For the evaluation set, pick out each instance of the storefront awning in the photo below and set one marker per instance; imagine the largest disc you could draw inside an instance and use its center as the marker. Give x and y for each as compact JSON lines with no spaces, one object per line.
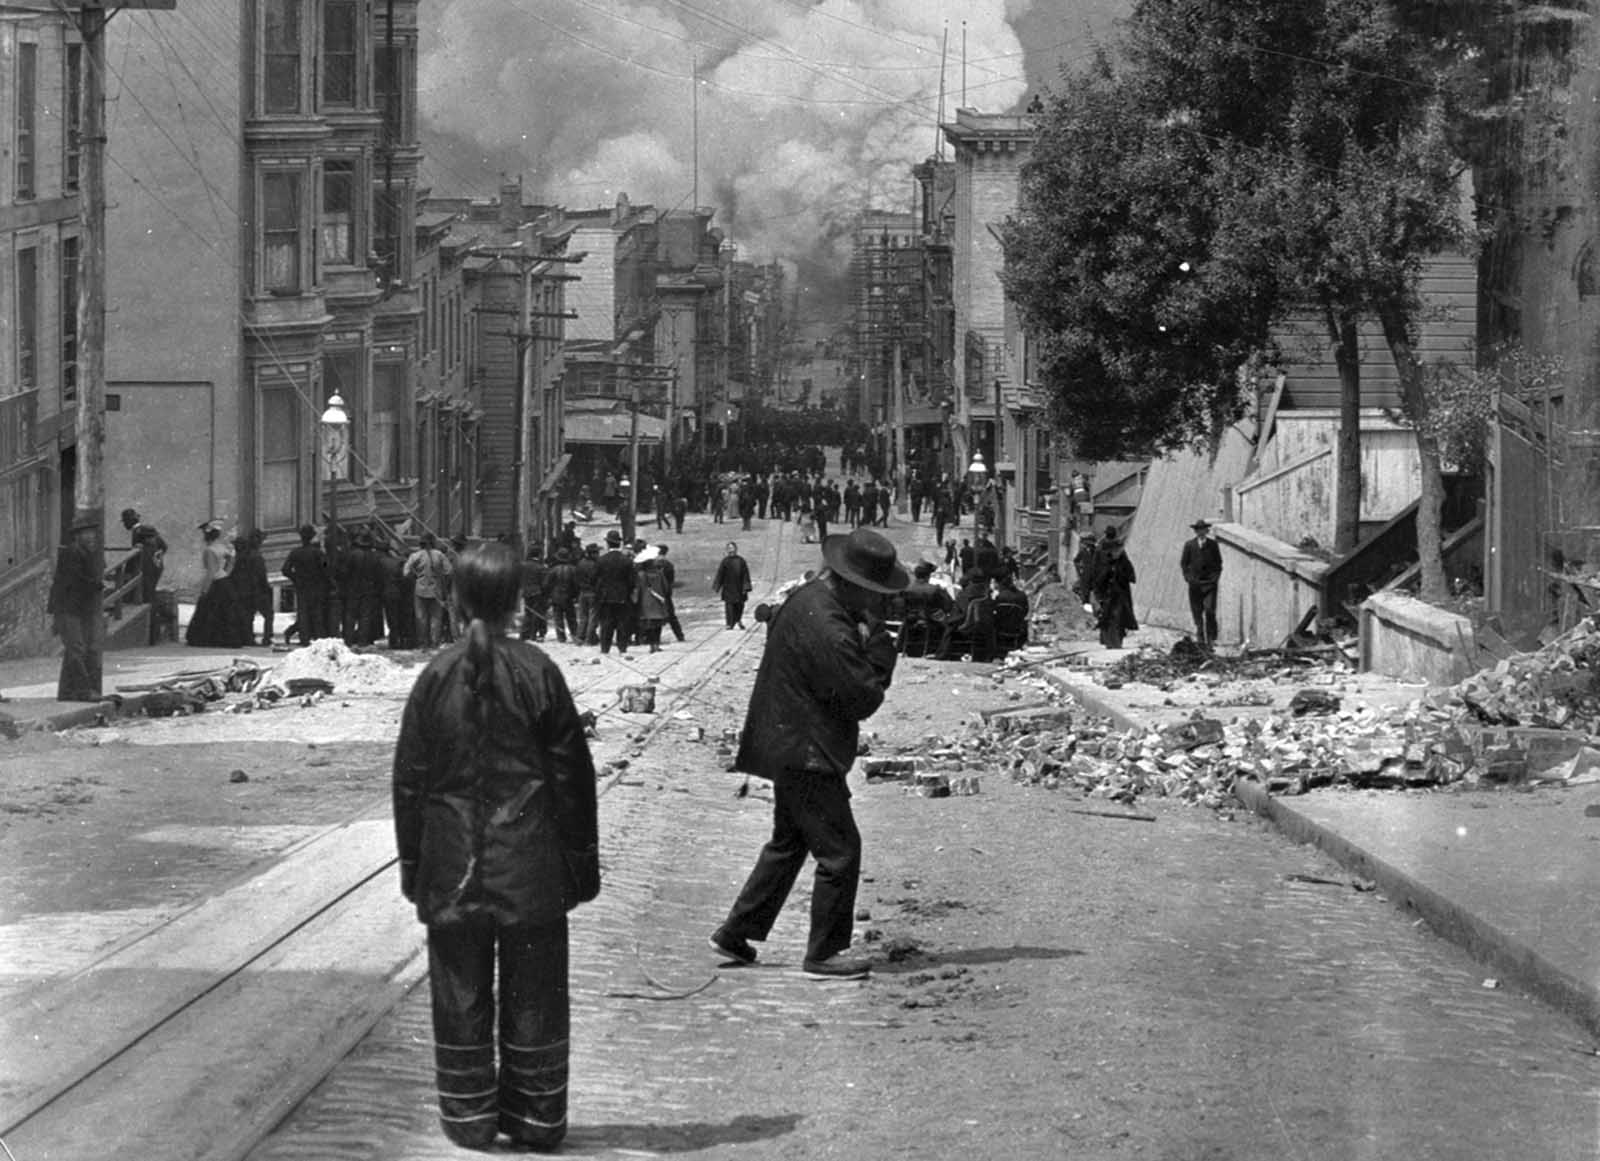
{"x":553,"y":476}
{"x":610,"y":428}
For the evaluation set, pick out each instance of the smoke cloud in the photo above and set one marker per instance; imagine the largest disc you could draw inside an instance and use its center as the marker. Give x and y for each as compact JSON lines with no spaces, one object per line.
{"x":809,"y":112}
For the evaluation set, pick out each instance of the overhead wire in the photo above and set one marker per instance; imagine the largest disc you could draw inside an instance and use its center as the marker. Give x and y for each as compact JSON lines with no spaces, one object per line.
{"x":274,"y":356}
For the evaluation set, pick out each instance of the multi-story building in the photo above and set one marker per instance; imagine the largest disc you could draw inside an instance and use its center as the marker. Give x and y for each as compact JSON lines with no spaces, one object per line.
{"x":691,"y":333}
{"x":261,"y":244}
{"x":514,"y":262}
{"x":447,"y":418}
{"x":989,"y":152}
{"x":40,"y":213}
{"x":610,"y":348}
{"x":996,"y":410}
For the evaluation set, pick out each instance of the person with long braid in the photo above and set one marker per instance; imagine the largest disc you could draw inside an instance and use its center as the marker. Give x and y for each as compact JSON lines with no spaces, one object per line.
{"x":496,"y":823}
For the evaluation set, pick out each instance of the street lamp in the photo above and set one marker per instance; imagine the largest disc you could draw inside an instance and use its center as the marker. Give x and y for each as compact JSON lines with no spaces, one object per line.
{"x":977,"y":473}
{"x":335,"y":431}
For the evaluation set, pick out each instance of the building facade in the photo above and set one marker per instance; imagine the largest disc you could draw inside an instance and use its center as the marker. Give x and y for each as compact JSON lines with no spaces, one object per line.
{"x":41,"y":84}
{"x":262,"y":192}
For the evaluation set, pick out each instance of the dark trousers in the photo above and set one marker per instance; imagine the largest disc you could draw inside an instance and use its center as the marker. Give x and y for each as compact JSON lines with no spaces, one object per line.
{"x":564,"y":619}
{"x":938,"y":528}
{"x":535,"y":619}
{"x":616,"y":624}
{"x":733,"y":611}
{"x":363,"y":618}
{"x":525,"y":1096}
{"x":310,"y":614}
{"x":916,"y":509}
{"x":77,"y":682}
{"x":588,"y":619}
{"x":1203,"y":609}
{"x":810,"y":816}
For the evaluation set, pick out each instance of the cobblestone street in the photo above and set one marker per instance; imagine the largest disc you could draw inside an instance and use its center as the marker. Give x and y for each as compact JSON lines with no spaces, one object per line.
{"x":1080,"y":986}
{"x":1047,"y":983}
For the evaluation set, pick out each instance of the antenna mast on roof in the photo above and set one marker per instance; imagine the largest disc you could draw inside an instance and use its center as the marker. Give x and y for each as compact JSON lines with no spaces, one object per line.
{"x":694,"y":81}
{"x":963,"y":64}
{"x":938,"y":131}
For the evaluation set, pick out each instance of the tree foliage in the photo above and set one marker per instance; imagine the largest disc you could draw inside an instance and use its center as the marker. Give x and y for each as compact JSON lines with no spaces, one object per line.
{"x":1295,"y":152}
{"x":1111,"y":258}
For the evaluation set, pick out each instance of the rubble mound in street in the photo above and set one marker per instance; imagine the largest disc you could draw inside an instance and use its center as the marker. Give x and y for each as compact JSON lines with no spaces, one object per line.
{"x":347,"y":671}
{"x":1187,"y":660}
{"x":1556,"y":686}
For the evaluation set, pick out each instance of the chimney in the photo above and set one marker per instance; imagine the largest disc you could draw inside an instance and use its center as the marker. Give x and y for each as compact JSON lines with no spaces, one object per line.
{"x":510,"y":205}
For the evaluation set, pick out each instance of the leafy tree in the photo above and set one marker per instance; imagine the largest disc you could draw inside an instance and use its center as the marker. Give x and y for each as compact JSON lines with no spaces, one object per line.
{"x":1142,"y":324}
{"x":1316,"y":174}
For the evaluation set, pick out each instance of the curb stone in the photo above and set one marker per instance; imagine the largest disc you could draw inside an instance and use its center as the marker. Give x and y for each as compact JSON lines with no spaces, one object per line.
{"x":1503,"y":953}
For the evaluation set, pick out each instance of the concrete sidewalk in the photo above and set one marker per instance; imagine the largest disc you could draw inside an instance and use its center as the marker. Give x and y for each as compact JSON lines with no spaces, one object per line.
{"x":28,"y":685}
{"x":1506,"y":873}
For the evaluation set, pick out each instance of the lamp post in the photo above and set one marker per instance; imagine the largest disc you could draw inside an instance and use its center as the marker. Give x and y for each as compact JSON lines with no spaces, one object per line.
{"x":335,"y":431}
{"x":977,"y":478}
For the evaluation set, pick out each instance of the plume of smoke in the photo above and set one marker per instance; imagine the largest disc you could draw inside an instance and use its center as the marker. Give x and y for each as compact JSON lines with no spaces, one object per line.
{"x":809,"y":112}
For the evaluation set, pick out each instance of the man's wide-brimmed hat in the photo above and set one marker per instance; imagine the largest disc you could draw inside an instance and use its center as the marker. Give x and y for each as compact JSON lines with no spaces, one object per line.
{"x":1109,"y":534}
{"x":613,"y":537}
{"x":865,"y":558}
{"x":1201,"y":524}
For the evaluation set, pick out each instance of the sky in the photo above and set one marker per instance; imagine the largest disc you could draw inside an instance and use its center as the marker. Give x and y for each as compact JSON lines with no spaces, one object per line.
{"x":788,"y":117}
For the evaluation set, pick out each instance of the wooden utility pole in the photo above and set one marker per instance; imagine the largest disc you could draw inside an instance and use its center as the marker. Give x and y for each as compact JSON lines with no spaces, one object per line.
{"x":89,"y":427}
{"x":898,"y":411}
{"x":89,"y":493}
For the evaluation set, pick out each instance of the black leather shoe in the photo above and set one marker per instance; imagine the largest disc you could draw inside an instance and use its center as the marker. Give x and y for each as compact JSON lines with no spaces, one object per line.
{"x":837,"y":967}
{"x":732,"y":946}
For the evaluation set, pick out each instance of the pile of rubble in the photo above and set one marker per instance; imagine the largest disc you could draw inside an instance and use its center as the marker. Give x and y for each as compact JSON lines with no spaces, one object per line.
{"x":344,"y":669}
{"x":1556,"y":686}
{"x":1186,"y":660}
{"x":1532,"y":718}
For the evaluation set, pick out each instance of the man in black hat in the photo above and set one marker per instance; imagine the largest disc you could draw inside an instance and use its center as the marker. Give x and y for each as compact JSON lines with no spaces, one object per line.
{"x":732,"y":584}
{"x":1202,"y":571}
{"x":828,"y":663}
{"x":614,"y":594}
{"x":74,"y":606}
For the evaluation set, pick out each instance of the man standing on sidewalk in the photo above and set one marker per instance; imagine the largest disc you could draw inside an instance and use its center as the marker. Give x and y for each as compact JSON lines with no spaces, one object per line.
{"x":1202,"y":572}
{"x":74,"y":605}
{"x":828,"y":663}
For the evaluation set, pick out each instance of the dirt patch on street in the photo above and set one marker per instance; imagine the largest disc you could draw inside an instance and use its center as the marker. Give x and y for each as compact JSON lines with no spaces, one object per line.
{"x":92,"y":826}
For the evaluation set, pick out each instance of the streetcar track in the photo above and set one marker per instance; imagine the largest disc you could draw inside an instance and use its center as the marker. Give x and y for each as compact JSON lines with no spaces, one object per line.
{"x":54,"y":1099}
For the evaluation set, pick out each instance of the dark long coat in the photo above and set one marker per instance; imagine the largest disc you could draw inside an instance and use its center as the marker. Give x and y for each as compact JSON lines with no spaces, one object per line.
{"x":817,"y":682}
{"x":500,"y":820}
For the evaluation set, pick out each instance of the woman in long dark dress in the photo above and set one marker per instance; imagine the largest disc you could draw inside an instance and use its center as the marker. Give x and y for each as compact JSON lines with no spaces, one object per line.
{"x":1114,"y":578}
{"x":495,"y":818}
{"x":214,"y":621}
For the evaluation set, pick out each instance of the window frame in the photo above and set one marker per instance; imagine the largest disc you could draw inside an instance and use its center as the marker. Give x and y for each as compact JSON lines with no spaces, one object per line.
{"x":295,"y":390}
{"x":69,"y":278}
{"x":265,"y":231}
{"x":354,"y":54}
{"x":72,"y":118}
{"x":25,"y":123}
{"x":25,"y":315}
{"x":271,"y":94}
{"x":398,"y":439}
{"x":350,"y":167}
